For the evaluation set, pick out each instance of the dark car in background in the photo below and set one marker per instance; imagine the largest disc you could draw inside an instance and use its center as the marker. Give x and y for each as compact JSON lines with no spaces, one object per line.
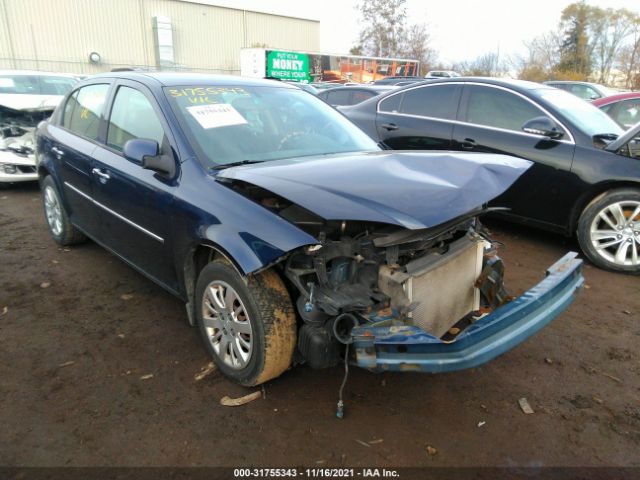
{"x":352,"y":95}
{"x":284,"y":228}
{"x":398,"y":80}
{"x":585,"y":90}
{"x":624,"y":108}
{"x":574,"y":186}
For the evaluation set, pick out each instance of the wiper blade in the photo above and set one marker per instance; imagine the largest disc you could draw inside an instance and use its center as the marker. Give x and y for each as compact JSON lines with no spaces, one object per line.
{"x":222,"y":166}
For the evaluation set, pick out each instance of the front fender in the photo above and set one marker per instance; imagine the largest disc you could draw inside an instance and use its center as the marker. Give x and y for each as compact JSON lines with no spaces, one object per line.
{"x":210,"y":214}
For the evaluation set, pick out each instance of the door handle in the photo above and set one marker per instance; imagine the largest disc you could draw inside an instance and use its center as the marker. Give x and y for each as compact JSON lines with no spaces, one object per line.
{"x":468,"y":144}
{"x":104,"y":176}
{"x":389,"y":126}
{"x":57,"y":152}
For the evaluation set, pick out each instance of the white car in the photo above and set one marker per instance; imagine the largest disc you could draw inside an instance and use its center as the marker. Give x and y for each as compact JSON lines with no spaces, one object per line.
{"x":442,"y":74}
{"x":26,"y":98}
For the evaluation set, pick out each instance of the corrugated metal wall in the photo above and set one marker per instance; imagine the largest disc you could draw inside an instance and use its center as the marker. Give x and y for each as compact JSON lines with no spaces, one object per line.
{"x":59,"y":35}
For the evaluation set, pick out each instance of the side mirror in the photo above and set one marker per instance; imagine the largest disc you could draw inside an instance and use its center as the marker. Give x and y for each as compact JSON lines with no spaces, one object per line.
{"x":542,"y":126}
{"x":146,"y":153}
{"x":137,"y":149}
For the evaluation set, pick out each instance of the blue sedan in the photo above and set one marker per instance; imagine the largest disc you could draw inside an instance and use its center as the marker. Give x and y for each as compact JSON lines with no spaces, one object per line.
{"x":285,"y":230}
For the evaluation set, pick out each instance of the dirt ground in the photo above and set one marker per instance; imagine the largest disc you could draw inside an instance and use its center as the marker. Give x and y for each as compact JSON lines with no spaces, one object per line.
{"x":74,"y":349}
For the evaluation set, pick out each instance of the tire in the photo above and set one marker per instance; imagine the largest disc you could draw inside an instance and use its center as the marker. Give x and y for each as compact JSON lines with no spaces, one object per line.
{"x":60,"y":227}
{"x":609,"y":231}
{"x":247,"y":354}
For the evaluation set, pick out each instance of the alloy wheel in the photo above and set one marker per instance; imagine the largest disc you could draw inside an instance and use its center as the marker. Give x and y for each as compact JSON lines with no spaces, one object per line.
{"x":615,"y":233}
{"x":227,"y":324}
{"x":53,"y":210}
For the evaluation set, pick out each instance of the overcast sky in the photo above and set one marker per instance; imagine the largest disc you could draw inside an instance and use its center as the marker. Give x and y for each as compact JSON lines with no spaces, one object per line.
{"x":460,"y":29}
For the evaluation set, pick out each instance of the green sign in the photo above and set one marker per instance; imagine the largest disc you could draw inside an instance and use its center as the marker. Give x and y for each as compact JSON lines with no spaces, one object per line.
{"x":288,"y":66}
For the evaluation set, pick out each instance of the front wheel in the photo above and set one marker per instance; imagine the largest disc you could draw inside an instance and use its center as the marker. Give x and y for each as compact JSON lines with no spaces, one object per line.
{"x":249,"y":328}
{"x":609,"y":231}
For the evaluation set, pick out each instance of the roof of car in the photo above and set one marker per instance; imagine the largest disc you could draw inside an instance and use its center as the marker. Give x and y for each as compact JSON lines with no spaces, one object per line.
{"x":550,"y":82}
{"x":364,"y":86}
{"x":175,"y":79}
{"x":505,"y":82}
{"x":614,"y":98}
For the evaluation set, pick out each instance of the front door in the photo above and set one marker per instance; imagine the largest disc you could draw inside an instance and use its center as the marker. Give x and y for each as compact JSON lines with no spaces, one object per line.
{"x":135,"y":203}
{"x":490,"y":121}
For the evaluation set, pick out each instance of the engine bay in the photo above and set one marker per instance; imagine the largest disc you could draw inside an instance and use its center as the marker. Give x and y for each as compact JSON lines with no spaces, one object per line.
{"x":440,"y":279}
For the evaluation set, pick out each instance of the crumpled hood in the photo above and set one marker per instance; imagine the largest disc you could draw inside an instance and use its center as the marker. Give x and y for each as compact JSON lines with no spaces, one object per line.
{"x":412,"y":189}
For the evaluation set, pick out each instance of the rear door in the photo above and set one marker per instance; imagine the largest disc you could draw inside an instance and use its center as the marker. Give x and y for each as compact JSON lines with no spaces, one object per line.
{"x":491,"y":120}
{"x":135,"y":203}
{"x":72,"y":143}
{"x":419,"y":118}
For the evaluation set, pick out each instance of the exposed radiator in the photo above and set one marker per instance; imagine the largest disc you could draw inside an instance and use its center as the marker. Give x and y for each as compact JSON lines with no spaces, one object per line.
{"x":442,"y":285}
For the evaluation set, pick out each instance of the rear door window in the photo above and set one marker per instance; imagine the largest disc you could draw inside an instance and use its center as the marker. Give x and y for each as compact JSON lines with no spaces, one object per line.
{"x":585,"y":92}
{"x":436,"y":101}
{"x":83,"y":110}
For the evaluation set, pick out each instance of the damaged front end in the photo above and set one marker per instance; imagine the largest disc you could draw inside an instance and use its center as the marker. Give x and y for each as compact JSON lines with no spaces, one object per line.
{"x":411,"y":287}
{"x":429,"y":300}
{"x":17,"y":142}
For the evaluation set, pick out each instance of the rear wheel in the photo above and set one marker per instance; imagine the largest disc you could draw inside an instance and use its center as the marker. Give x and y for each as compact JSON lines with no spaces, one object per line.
{"x":249,"y":328}
{"x":609,"y":231}
{"x":60,"y":227}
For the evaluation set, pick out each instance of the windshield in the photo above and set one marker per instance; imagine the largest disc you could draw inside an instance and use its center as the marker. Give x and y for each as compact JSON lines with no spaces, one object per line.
{"x":582,"y":114}
{"x":235,"y":124}
{"x":36,"y":84}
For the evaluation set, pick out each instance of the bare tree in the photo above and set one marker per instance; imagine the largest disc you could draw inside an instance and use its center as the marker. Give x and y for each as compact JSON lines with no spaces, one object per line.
{"x":382,"y":27}
{"x":609,"y":28}
{"x":417,"y":47}
{"x":629,"y":58}
{"x":541,"y":58}
{"x":487,"y":65}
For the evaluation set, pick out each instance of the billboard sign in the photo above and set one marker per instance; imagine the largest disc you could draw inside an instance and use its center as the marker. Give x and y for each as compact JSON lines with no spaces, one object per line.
{"x":288,"y":65}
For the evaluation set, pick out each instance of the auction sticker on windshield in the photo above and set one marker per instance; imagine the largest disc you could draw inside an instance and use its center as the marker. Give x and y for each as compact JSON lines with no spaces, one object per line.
{"x":216,"y":115}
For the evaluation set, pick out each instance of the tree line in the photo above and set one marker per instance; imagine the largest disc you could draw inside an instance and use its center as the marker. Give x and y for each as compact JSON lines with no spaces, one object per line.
{"x":590,"y":43}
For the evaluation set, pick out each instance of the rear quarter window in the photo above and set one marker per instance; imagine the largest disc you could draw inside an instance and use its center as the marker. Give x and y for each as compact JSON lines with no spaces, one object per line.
{"x":391,"y":104}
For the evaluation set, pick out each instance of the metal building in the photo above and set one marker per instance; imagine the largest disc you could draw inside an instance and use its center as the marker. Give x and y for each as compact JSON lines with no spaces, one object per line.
{"x":91,"y":36}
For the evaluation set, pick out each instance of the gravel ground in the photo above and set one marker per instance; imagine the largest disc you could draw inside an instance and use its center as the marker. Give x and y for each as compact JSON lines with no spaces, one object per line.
{"x":81,"y":331}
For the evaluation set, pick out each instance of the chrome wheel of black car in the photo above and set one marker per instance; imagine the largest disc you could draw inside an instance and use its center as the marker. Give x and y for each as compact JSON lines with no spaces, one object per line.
{"x":609,"y":231}
{"x":227,"y":324}
{"x":615,"y":233}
